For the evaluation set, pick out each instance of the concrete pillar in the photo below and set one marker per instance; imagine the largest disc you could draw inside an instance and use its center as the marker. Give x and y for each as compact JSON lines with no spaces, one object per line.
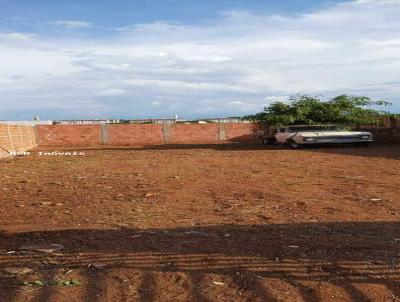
{"x":166,"y":130}
{"x":36,"y":135}
{"x":221,"y":132}
{"x":104,"y":135}
{"x":10,"y":138}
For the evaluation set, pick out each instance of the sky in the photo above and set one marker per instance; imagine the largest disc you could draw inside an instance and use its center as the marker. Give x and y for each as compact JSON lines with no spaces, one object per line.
{"x":158,"y":58}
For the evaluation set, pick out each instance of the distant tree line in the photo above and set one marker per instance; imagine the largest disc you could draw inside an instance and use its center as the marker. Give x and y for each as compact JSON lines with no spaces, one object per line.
{"x":308,"y":110}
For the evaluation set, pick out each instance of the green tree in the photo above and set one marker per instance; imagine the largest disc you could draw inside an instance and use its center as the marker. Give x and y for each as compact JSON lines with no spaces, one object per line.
{"x":304,"y":109}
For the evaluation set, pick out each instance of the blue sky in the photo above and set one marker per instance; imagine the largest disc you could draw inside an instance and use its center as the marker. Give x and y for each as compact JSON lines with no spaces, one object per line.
{"x":146,"y":58}
{"x":126,"y":12}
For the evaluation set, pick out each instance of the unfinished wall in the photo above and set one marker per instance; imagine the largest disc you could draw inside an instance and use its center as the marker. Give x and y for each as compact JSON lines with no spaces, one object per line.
{"x":195,"y":133}
{"x":386,"y":130}
{"x":240,"y":132}
{"x":69,"y":135}
{"x":384,"y":135}
{"x":143,"y":134}
{"x":153,"y":134}
{"x":16,"y":138}
{"x":134,"y":134}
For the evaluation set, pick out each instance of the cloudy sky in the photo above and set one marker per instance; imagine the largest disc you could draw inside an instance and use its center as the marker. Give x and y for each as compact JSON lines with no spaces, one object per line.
{"x":158,"y":58}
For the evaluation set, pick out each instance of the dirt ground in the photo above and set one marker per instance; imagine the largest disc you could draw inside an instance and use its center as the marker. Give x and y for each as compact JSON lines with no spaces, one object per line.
{"x":201,"y":223}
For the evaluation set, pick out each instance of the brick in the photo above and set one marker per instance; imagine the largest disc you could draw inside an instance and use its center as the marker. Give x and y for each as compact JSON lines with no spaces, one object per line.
{"x":17,"y":138}
{"x":144,"y":134}
{"x":63,"y":135}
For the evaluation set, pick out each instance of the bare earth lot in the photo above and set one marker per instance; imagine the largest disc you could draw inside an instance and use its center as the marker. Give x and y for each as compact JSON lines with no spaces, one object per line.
{"x":202,"y":223}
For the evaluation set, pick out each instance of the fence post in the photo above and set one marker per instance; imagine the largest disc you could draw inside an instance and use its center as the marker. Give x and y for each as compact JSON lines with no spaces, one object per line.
{"x":10,"y":138}
{"x":221,"y":132}
{"x":166,"y":130}
{"x":104,"y":134}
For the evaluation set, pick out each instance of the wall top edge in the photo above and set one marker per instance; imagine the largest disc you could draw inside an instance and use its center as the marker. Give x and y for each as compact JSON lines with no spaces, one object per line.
{"x":26,"y":123}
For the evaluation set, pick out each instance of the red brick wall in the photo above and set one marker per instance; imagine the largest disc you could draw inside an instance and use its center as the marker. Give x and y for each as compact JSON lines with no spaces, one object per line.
{"x":384,"y":136}
{"x":16,"y":138}
{"x":195,"y":133}
{"x":152,"y":134}
{"x":143,"y":134}
{"x":240,"y":132}
{"x":134,"y":134}
{"x":65,"y":135}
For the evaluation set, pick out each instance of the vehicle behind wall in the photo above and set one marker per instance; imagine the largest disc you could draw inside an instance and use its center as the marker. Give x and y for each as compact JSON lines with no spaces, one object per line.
{"x":297,"y":136}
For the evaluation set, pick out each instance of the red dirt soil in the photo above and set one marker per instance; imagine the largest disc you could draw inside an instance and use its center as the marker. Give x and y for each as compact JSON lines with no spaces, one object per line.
{"x":202,"y":223}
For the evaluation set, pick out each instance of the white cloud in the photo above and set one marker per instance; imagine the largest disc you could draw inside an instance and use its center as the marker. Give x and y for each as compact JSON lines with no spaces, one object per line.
{"x":232,"y":66}
{"x":156,"y":103}
{"x":16,"y":36}
{"x":276,"y":98}
{"x":72,"y":24}
{"x":243,"y":106}
{"x":112,"y":92}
